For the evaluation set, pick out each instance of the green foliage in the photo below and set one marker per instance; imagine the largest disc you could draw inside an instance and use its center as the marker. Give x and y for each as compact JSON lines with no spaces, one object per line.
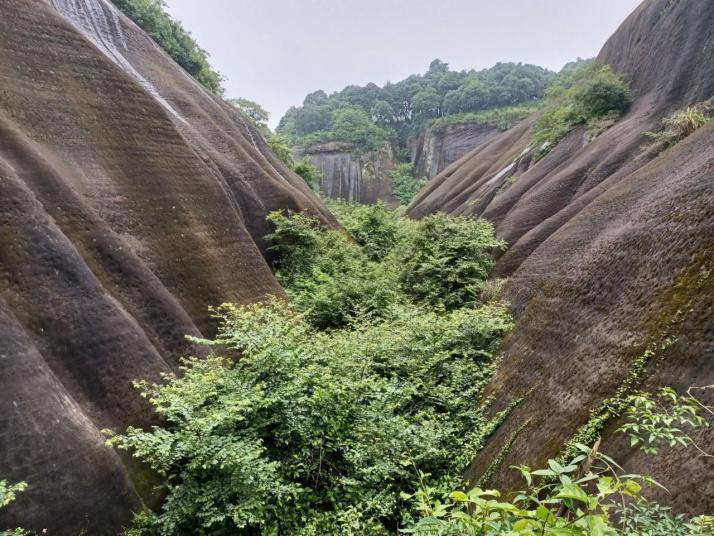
{"x":376,"y":228}
{"x":647,"y":518}
{"x":405,"y":185}
{"x":8,"y":493}
{"x":445,"y":260}
{"x":654,"y":421}
{"x":588,"y":94}
{"x":313,"y":432}
{"x":615,"y":405}
{"x":326,"y":274}
{"x":440,"y":261}
{"x":399,"y":109}
{"x":309,"y":172}
{"x":680,"y":125}
{"x":151,"y":16}
{"x":503,"y":117}
{"x":354,"y":126}
{"x":253,"y":111}
{"x":576,"y":499}
{"x":281,"y":147}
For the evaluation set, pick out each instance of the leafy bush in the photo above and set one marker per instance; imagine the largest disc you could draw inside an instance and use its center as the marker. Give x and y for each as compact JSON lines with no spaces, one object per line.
{"x":445,"y":260}
{"x":647,"y":518}
{"x":659,"y":420}
{"x":440,"y":261}
{"x":503,"y":118}
{"x":309,"y":172}
{"x":151,"y":16}
{"x":571,"y":500}
{"x":405,"y":185}
{"x":587,"y":496}
{"x":680,"y":125}
{"x":327,"y":275}
{"x":280,"y":146}
{"x":312,"y":432}
{"x":586,"y":95}
{"x":8,"y":493}
{"x":376,"y":228}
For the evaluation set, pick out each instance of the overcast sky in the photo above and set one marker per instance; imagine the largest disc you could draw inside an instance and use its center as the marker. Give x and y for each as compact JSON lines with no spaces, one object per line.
{"x":276,"y":51}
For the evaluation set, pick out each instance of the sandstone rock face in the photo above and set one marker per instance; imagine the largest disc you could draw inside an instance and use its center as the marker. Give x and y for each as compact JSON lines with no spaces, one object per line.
{"x":610,"y":254}
{"x":130,"y":201}
{"x":352,"y":176}
{"x":435,"y":149}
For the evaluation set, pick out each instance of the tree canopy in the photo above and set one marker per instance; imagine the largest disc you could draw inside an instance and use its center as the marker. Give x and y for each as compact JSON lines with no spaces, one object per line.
{"x":398,"y":109}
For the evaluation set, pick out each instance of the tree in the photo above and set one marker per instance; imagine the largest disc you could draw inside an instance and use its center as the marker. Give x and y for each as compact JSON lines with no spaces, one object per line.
{"x":383,"y":113}
{"x":254,"y":111}
{"x":353,"y":125}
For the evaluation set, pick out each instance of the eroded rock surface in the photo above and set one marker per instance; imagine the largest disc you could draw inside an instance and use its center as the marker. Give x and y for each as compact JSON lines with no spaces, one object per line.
{"x":610,"y":254}
{"x":130,"y":201}
{"x":361,"y":177}
{"x":435,"y":149}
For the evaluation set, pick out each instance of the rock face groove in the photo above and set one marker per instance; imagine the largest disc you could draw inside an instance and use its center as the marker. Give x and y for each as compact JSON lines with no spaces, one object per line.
{"x":610,"y":255}
{"x":353,"y":176}
{"x":435,"y":149}
{"x":130,"y":201}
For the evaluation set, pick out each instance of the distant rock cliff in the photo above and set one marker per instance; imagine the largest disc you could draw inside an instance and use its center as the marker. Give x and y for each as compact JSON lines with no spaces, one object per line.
{"x":353,"y":176}
{"x":435,"y":149}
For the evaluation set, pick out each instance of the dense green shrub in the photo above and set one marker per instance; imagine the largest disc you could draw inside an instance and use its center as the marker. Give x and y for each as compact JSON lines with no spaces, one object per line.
{"x":445,"y":260}
{"x":313,"y":432}
{"x":309,"y":172}
{"x":326,"y":274}
{"x":648,"y":518}
{"x":588,"y":94}
{"x":151,"y":16}
{"x":376,"y":228}
{"x":440,"y":261}
{"x":405,"y":184}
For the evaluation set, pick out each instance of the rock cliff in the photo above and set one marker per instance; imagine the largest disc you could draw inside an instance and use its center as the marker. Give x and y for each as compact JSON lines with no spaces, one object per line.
{"x":353,"y":176}
{"x":130,"y":201}
{"x":435,"y":149}
{"x":610,"y":257}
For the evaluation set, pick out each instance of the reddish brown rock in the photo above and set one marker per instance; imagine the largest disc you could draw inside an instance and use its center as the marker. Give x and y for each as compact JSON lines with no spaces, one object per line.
{"x":130,"y":201}
{"x":610,"y":252}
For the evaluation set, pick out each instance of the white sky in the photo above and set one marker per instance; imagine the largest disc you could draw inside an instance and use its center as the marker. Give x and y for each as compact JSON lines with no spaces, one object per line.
{"x":276,"y":51}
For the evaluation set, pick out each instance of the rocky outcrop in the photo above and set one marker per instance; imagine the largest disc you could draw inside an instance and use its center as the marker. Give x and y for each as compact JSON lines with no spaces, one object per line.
{"x":610,"y":255}
{"x":130,"y":201}
{"x":362,"y":177}
{"x":435,"y":149}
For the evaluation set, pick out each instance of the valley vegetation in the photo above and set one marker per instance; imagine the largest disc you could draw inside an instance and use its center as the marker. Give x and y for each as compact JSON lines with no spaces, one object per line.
{"x":355,"y":407}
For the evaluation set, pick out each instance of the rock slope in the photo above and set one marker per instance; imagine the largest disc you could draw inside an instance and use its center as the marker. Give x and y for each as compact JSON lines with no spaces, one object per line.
{"x":130,"y":201}
{"x":610,"y":255}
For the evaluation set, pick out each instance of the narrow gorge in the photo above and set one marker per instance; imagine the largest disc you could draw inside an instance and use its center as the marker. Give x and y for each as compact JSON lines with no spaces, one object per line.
{"x":393,"y":298}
